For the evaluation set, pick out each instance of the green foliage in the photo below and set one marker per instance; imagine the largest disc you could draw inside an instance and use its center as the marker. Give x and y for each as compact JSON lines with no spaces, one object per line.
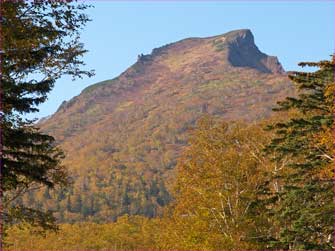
{"x":40,"y":43}
{"x":303,"y":207}
{"x":219,"y":45}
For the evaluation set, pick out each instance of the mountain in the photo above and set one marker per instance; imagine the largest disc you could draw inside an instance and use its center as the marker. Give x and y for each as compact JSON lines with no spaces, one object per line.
{"x":123,"y":136}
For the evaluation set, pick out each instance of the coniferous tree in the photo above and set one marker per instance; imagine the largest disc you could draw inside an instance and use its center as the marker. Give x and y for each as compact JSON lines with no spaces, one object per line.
{"x":39,"y":44}
{"x":303,"y":205}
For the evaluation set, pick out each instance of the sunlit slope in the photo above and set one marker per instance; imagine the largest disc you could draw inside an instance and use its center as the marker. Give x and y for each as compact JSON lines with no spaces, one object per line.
{"x":123,"y":136}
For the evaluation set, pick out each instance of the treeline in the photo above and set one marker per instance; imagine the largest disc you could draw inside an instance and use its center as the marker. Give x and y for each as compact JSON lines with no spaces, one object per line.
{"x":102,"y":198}
{"x":218,"y":177}
{"x":238,"y":186}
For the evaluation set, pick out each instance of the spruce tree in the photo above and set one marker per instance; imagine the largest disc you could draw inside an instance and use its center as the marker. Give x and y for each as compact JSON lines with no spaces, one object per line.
{"x":39,"y":44}
{"x":303,"y":206}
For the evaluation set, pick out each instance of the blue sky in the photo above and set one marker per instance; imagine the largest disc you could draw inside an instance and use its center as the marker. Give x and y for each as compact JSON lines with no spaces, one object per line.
{"x":294,"y":31}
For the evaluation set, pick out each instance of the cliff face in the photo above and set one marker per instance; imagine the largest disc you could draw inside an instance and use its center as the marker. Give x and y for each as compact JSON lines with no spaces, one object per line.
{"x":242,"y":52}
{"x":122,"y":136}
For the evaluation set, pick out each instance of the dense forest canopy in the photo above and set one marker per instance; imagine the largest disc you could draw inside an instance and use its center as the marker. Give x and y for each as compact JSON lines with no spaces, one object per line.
{"x":182,"y":151}
{"x":122,"y":137}
{"x":238,"y":186}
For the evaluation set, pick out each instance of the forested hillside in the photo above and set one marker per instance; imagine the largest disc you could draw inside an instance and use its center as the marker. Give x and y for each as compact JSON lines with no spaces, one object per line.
{"x":238,"y":186}
{"x":204,"y":144}
{"x":122,"y":137}
{"x":256,"y":181}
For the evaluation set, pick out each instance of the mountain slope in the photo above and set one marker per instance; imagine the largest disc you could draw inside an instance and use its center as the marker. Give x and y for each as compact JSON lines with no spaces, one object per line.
{"x":123,"y":136}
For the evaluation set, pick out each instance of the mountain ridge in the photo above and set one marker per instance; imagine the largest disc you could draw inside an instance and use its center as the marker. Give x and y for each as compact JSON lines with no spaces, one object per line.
{"x":123,"y":136}
{"x":235,"y":37}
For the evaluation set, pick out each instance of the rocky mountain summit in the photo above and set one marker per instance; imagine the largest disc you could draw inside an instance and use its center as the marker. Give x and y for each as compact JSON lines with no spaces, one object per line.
{"x":122,"y":137}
